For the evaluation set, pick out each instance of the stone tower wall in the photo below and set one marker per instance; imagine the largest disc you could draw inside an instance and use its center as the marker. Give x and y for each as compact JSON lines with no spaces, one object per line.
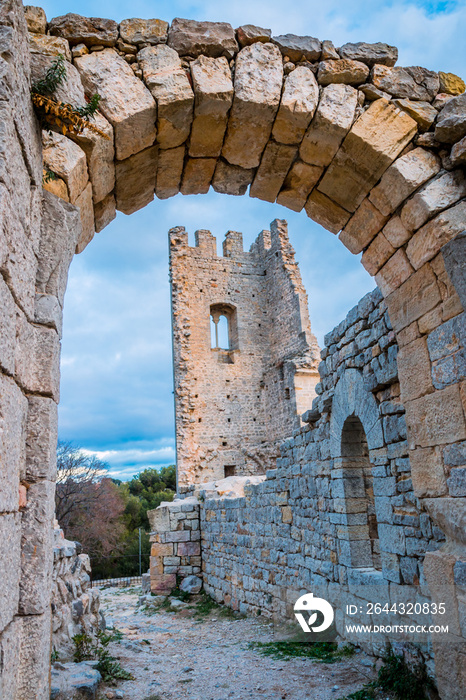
{"x":234,"y":406}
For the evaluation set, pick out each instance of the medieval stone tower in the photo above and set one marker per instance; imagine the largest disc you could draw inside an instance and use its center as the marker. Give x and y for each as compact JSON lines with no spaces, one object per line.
{"x":245,"y":358}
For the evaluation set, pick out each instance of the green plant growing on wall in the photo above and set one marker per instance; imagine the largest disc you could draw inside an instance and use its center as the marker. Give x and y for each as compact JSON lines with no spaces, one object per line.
{"x":68,"y":118}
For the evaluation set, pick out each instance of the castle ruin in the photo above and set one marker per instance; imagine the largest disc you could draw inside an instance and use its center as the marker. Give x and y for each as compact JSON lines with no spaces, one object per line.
{"x":241,"y":389}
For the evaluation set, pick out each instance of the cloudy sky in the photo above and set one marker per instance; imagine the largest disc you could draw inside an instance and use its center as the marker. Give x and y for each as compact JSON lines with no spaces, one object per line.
{"x":116,"y":389}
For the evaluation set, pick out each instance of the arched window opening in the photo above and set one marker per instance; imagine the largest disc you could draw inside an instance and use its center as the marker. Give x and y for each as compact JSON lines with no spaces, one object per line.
{"x":358,"y":484}
{"x":223,"y":333}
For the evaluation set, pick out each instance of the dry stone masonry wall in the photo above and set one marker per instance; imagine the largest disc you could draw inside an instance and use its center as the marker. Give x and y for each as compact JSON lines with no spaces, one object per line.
{"x":234,"y":404}
{"x":372,"y":151}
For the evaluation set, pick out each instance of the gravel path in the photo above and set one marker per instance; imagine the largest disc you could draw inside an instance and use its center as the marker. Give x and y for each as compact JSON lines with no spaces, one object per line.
{"x":176,"y":655}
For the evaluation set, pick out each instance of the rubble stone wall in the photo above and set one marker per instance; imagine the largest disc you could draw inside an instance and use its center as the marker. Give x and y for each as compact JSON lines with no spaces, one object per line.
{"x":234,"y":405}
{"x":75,"y":604}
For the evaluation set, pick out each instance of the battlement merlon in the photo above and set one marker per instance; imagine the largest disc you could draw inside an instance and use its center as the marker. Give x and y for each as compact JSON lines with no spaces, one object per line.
{"x":233,"y":244}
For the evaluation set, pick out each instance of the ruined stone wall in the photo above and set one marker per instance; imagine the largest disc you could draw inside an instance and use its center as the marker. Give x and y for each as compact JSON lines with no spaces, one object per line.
{"x":234,"y":405}
{"x":75,"y":604}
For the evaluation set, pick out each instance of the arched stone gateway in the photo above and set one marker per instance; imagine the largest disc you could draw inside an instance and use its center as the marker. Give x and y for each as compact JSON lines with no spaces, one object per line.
{"x":374,"y":153}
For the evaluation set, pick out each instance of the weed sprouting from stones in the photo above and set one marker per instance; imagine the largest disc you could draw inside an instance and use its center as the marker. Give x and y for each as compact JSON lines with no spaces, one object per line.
{"x":327,"y":652}
{"x":108,"y":666}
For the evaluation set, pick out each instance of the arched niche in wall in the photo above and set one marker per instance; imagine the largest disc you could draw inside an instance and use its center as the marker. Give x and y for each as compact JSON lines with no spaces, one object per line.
{"x":223,"y":327}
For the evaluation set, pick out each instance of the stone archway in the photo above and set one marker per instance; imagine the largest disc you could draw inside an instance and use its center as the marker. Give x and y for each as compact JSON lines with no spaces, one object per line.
{"x":373,"y":152}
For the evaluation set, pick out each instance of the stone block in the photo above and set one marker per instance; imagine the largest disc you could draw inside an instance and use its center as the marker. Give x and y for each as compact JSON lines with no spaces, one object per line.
{"x":191,"y":38}
{"x":437,"y":195}
{"x":451,"y":122}
{"x":392,"y":538}
{"x":178,"y":536}
{"x":91,"y":31}
{"x":36,"y":549}
{"x":86,"y":212}
{"x":161,"y":550}
{"x":144,"y":31}
{"x":162,"y":584}
{"x":342,"y":70}
{"x":41,"y":439}
{"x":188,"y":549}
{"x":7,"y":328}
{"x":231,"y":179}
{"x":456,"y":482}
{"x":49,"y":45}
{"x":9,"y":650}
{"x":450,"y":83}
{"x":100,"y":154}
{"x":455,"y":455}
{"x":407,"y":173}
{"x":10,"y":548}
{"x":169,"y":171}
{"x":298,"y":48}
{"x":67,"y":160}
{"x":413,"y":298}
{"x":298,"y":103}
{"x":275,"y":163}
{"x":370,"y":54}
{"x":436,"y":419}
{"x":298,"y":184}
{"x":377,"y":254}
{"x":159,"y":519}
{"x":332,"y":121}
{"x":125,"y":101}
{"x":213,"y":91}
{"x":36,"y":19}
{"x":326,"y":212}
{"x":413,"y":83}
{"x":197,"y":175}
{"x":104,"y":212}
{"x":422,"y":112}
{"x":373,"y":143}
{"x":258,"y":85}
{"x":426,"y":242}
{"x":170,"y":87}
{"x":13,"y":412}
{"x":135,"y":180}
{"x":248,"y":34}
{"x":414,"y":370}
{"x":365,"y":223}
{"x":34,"y":657}
{"x":454,"y":256}
{"x":395,"y":233}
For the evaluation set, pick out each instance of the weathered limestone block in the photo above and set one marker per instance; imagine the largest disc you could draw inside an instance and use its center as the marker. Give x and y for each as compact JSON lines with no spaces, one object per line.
{"x":197,"y":175}
{"x":298,"y":184}
{"x":439,"y":194}
{"x":414,"y":298}
{"x":395,"y":271}
{"x":9,"y":649}
{"x":395,"y":232}
{"x":450,"y":83}
{"x":91,"y":31}
{"x":135,"y":180}
{"x":342,"y":71}
{"x":362,"y":227}
{"x":404,"y":177}
{"x":57,"y":187}
{"x":144,"y":31}
{"x":10,"y":551}
{"x":451,"y":122}
{"x":454,"y":256}
{"x":169,"y":85}
{"x":104,"y":212}
{"x":36,"y":19}
{"x":414,"y":83}
{"x":258,"y":84}
{"x":67,"y":160}
{"x":422,"y":112}
{"x":37,"y":358}
{"x":436,"y":419}
{"x":332,"y":121}
{"x":169,"y":170}
{"x":213,"y":91}
{"x":458,"y":153}
{"x":325,"y":212}
{"x":377,"y":254}
{"x":86,"y":211}
{"x":275,"y":164}
{"x":371,"y":146}
{"x":35,"y":650}
{"x":426,"y":242}
{"x":100,"y":155}
{"x":370,"y":53}
{"x":298,"y":48}
{"x":60,"y":230}
{"x":125,"y":101}
{"x":36,"y":549}
{"x":372,"y":93}
{"x":248,"y":34}
{"x":414,"y":370}
{"x":49,"y":45}
{"x":41,"y":439}
{"x":231,"y":179}
{"x":427,"y":472}
{"x":328,"y":51}
{"x":48,"y":312}
{"x":299,"y":101}
{"x":13,"y":412}
{"x":191,"y":38}
{"x":7,"y":328}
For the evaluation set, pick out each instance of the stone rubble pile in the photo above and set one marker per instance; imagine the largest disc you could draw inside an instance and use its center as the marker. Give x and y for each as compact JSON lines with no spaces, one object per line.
{"x":75,"y":605}
{"x":197,"y":104}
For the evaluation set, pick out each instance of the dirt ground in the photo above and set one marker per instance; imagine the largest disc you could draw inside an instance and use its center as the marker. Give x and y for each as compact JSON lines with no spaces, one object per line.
{"x":182,"y":655}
